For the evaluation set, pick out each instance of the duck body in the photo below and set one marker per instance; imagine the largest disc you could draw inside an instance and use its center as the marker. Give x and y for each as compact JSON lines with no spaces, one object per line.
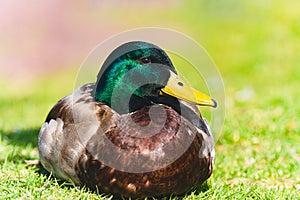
{"x":153,"y":151}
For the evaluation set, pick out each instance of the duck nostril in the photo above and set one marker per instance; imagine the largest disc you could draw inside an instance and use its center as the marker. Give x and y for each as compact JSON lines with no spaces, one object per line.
{"x":180,"y":83}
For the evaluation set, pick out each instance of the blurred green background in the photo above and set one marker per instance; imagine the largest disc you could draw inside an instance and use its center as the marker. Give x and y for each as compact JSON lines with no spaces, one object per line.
{"x":255,"y":44}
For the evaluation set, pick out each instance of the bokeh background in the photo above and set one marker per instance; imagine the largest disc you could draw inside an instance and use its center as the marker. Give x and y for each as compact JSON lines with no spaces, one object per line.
{"x":248,"y":37}
{"x":255,"y":44}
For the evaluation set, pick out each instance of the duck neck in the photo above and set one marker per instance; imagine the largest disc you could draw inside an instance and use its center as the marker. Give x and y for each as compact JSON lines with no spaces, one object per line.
{"x":126,"y":94}
{"x":128,"y":86}
{"x":122,"y":101}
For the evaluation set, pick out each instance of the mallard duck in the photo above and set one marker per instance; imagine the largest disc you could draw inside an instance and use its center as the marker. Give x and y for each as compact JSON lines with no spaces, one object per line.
{"x":136,"y":132}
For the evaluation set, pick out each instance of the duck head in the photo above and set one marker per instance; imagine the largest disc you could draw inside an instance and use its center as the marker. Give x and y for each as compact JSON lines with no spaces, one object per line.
{"x":139,"y":74}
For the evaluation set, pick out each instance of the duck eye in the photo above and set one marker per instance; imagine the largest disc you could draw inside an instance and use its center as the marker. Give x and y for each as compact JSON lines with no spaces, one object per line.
{"x":145,"y":60}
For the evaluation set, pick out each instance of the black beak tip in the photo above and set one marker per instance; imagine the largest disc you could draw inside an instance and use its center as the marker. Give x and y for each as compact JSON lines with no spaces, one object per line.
{"x":215,"y":103}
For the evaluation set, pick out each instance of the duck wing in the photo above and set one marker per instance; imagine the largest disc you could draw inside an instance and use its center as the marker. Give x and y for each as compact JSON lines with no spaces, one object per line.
{"x":68,"y":127}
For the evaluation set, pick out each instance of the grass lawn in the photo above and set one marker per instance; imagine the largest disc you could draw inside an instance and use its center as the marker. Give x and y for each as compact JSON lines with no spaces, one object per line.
{"x":258,"y":154}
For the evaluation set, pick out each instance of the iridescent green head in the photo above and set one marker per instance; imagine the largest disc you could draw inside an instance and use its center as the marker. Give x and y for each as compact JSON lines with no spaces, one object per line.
{"x":138,"y":74}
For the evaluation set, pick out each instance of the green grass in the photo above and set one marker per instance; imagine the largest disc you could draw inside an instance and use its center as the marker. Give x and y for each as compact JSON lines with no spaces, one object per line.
{"x":256,"y":47}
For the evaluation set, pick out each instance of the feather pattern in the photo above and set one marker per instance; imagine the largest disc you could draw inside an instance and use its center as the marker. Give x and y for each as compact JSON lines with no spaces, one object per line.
{"x":75,"y":147}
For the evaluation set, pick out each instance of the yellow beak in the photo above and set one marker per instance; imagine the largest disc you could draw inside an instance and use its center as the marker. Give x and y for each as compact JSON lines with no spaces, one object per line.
{"x":176,"y":87}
